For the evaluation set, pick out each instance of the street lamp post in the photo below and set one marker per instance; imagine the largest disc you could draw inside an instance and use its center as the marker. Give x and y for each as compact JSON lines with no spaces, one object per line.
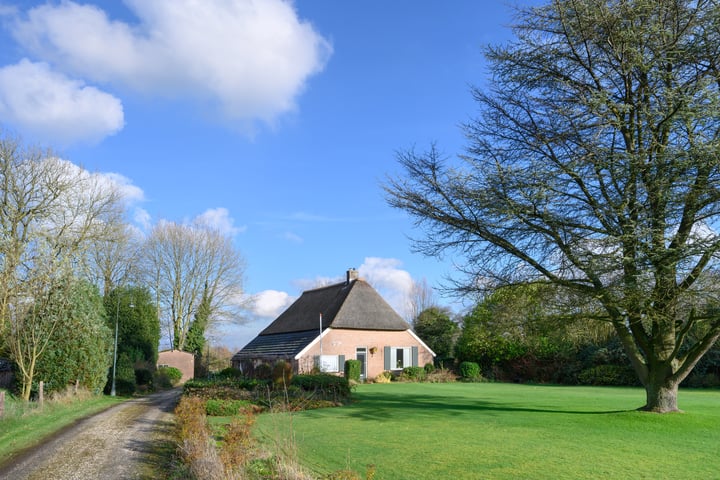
{"x":117,"y":320}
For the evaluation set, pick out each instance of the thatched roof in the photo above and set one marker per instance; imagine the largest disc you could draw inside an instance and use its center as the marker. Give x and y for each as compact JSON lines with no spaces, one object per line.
{"x":353,"y":304}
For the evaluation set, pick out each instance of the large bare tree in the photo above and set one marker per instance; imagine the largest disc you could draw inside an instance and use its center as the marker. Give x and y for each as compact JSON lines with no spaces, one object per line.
{"x":186,"y":264}
{"x":594,"y":164}
{"x":51,"y":211}
{"x":422,"y":297}
{"x":113,"y":261}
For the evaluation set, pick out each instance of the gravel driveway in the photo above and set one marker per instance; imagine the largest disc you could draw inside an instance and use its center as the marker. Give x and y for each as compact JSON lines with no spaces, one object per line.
{"x":111,"y":445}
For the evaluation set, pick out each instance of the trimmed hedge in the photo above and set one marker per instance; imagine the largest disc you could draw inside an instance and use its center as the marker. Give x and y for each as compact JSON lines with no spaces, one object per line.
{"x":352,"y":369}
{"x":327,"y":386}
{"x":608,"y":375}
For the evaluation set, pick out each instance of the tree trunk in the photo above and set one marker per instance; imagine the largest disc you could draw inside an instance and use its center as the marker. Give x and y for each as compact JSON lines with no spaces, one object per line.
{"x":661,"y":392}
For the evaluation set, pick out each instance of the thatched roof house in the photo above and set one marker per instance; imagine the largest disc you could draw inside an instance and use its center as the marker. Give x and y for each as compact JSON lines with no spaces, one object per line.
{"x":328,"y":325}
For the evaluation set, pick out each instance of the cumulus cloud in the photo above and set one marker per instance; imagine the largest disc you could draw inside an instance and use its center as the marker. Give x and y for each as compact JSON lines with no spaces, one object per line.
{"x":143,"y":218}
{"x":270,"y":303}
{"x":131,"y":193}
{"x":54,"y":107}
{"x":249,"y":59}
{"x":219,"y":219}
{"x":392,"y":282}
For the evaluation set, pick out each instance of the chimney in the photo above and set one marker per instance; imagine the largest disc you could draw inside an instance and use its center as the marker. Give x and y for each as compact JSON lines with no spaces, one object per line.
{"x":352,"y":274}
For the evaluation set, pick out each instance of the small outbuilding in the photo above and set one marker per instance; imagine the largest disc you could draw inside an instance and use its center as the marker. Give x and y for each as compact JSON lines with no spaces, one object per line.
{"x":328,"y":325}
{"x":183,"y":361}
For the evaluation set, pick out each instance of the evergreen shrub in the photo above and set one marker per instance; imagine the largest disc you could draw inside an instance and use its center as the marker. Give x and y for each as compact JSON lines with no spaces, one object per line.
{"x":352,"y":370}
{"x":168,"y":376}
{"x":324,"y":385}
{"x":608,"y":375}
{"x":469,"y":370}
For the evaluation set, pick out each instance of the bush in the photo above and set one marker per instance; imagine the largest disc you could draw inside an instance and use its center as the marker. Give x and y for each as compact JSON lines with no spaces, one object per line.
{"x":329,"y":387}
{"x":143,"y":376}
{"x":225,"y":408}
{"x":224,"y":389}
{"x":229,"y":372}
{"x":384,"y":377}
{"x":124,"y":376}
{"x":166,"y":377}
{"x":441,"y":375}
{"x":414,"y":374}
{"x":608,"y":375}
{"x":707,"y":380}
{"x":352,"y":370}
{"x":429,"y":368}
{"x":282,"y":373}
{"x":263,"y":372}
{"x":470,"y":370}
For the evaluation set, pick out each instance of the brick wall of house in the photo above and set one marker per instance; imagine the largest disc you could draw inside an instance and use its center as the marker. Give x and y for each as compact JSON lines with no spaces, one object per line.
{"x":183,"y":361}
{"x":345,"y":342}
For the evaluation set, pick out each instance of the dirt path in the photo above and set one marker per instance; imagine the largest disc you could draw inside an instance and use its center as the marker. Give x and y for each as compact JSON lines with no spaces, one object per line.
{"x":115,"y":444}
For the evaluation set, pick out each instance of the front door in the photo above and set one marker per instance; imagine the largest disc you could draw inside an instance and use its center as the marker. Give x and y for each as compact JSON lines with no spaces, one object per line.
{"x":361,"y":354}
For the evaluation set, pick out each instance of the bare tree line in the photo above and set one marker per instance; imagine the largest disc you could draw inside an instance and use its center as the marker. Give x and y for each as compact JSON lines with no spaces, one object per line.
{"x":59,"y":222}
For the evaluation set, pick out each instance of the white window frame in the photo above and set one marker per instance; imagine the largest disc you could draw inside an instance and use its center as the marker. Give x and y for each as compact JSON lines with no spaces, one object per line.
{"x":406,"y":357}
{"x":329,"y":363}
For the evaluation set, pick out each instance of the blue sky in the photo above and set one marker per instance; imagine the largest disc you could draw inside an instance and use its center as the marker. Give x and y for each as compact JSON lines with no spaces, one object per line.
{"x":278,"y":121}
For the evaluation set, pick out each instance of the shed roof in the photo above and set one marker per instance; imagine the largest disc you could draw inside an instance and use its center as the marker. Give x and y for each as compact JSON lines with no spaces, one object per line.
{"x":281,"y":345}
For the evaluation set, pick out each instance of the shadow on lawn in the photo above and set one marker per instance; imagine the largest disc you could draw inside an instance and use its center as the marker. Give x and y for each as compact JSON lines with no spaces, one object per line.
{"x":378,"y":407}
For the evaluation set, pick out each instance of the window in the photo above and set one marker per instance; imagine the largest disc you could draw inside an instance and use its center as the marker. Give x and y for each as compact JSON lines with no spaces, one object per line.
{"x":330,"y":363}
{"x":400,"y":357}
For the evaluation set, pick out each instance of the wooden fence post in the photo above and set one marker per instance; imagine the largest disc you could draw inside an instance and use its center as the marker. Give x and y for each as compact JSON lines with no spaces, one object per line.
{"x":41,"y":394}
{"x":77,"y":385}
{"x":2,"y":403}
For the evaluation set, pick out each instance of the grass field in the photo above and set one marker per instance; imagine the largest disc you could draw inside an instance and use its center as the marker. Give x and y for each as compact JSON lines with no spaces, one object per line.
{"x":503,"y":431}
{"x":24,"y":425}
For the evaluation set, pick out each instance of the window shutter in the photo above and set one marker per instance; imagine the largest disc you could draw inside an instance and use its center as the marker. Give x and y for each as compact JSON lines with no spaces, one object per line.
{"x":316,"y":361}
{"x":386,"y":352}
{"x":415,"y":357}
{"x":341,"y":363}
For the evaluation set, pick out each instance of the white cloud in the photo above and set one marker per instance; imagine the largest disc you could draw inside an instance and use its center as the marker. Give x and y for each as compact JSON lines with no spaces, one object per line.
{"x":219,"y":219}
{"x":55,"y":107}
{"x":270,"y":303}
{"x":292,"y":237}
{"x":142,"y":218}
{"x":393,"y":283}
{"x":249,"y":59}
{"x":131,"y":193}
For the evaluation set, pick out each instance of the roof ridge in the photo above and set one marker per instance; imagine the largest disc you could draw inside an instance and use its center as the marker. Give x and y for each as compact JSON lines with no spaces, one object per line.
{"x":334,"y":285}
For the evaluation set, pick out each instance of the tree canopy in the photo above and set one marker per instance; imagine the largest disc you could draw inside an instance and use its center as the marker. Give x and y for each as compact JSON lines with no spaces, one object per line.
{"x":593,"y":164}
{"x":437,"y":330}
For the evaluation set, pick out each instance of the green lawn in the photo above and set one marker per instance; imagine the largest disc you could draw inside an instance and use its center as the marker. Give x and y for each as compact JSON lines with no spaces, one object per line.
{"x":25,"y":425}
{"x":503,"y":431}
